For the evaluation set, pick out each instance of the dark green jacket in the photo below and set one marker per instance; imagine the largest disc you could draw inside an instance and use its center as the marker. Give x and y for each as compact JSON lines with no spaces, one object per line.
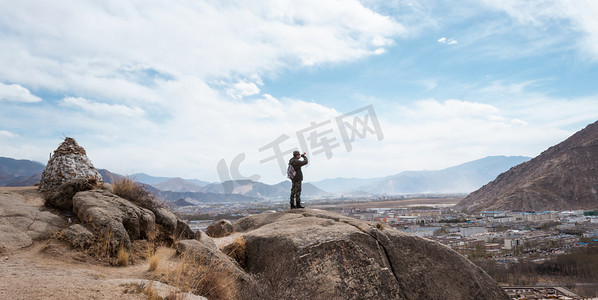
{"x":297,"y":164}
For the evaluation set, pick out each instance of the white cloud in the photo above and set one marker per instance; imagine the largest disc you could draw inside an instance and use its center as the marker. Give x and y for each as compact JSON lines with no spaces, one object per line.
{"x":578,"y":16}
{"x":444,"y":40}
{"x":16,"y":93}
{"x":432,"y":109}
{"x":102,"y":109}
{"x":518,"y":122}
{"x":379,"y":51}
{"x":8,"y":134}
{"x":182,"y":38}
{"x":243,"y":89}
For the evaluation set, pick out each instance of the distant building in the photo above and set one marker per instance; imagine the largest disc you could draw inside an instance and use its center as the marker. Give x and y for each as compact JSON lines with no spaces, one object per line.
{"x":540,"y":216}
{"x":469,"y":231}
{"x":512,"y":243}
{"x":540,"y":292}
{"x":503,"y":219}
{"x":493,"y":214}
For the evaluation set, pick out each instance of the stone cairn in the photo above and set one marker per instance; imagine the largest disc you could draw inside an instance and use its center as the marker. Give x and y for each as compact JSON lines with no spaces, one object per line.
{"x":68,"y":171}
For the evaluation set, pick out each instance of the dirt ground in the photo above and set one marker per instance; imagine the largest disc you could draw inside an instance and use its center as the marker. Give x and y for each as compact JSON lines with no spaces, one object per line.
{"x":39,"y":272}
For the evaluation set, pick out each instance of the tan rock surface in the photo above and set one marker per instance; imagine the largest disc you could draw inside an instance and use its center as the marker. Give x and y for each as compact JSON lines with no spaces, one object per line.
{"x":23,"y":218}
{"x":312,"y":252}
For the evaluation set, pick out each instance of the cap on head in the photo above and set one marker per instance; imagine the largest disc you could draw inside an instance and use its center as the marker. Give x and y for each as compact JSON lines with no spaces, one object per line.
{"x":296,"y":153}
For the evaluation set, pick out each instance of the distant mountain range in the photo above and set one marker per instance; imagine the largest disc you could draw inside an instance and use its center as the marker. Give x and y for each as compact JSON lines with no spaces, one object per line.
{"x":462,"y":178}
{"x":459,"y":179}
{"x":19,"y":172}
{"x":177,"y":185}
{"x":148,"y":179}
{"x":563,"y":177}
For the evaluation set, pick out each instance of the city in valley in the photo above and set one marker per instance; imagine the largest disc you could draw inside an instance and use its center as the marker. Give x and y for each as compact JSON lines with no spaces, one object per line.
{"x":530,"y":253}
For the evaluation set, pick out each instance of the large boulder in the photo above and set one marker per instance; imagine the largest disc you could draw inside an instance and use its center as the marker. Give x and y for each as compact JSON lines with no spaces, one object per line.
{"x":308,"y":253}
{"x":220,"y":228}
{"x":24,"y":219}
{"x":68,"y":165}
{"x":173,"y":227}
{"x":115,"y":219}
{"x":203,"y":252}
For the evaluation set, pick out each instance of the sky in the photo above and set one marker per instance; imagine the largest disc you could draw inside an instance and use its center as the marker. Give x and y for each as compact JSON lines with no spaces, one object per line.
{"x":211,"y":90}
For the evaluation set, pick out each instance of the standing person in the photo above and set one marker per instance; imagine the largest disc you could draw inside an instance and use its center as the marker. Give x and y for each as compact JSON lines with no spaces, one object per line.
{"x":296,"y":181}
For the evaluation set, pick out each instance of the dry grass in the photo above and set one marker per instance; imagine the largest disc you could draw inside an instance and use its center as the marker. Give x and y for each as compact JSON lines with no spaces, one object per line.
{"x":104,"y":245}
{"x":151,"y":294}
{"x":129,"y":189}
{"x":153,"y":259}
{"x":237,"y":251}
{"x":122,"y":257}
{"x":380,"y":226}
{"x":207,"y":277}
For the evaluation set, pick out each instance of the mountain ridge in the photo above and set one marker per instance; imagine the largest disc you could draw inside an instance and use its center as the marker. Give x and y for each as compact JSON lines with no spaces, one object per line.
{"x":564,"y":176}
{"x":462,"y":178}
{"x":19,"y":172}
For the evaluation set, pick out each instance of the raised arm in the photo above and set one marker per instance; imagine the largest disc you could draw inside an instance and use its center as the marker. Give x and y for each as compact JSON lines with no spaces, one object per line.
{"x":304,"y":162}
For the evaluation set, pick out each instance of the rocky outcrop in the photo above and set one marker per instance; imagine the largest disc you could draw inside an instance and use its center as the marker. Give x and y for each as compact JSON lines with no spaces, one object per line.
{"x":23,"y":219}
{"x":114,"y":218}
{"x":563,"y":177}
{"x":173,"y":227}
{"x":312,"y":252}
{"x":204,"y":252}
{"x":220,"y":228}
{"x":62,"y":197}
{"x":68,"y":171}
{"x":78,"y":236}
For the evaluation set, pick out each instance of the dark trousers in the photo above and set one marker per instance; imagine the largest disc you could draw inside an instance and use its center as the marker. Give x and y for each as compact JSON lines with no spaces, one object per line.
{"x":296,"y":192}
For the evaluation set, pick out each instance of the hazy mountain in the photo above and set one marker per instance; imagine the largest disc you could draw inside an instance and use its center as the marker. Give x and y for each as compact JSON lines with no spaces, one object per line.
{"x":344,"y":185}
{"x":19,"y":172}
{"x":462,"y":178}
{"x":177,"y":185}
{"x":108,"y":176}
{"x":202,"y":197}
{"x":148,"y":179}
{"x":565,"y":176}
{"x":261,"y":190}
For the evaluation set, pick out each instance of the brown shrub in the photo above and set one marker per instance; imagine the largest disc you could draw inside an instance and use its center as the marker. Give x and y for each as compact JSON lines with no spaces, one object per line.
{"x":207,"y":277}
{"x":237,"y":251}
{"x":154,"y":260}
{"x":129,"y":189}
{"x":122,"y":257}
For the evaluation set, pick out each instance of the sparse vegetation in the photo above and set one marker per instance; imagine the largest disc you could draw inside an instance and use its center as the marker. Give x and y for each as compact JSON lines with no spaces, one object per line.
{"x":127,"y":188}
{"x":201,"y":275}
{"x":103,"y":246}
{"x":151,"y":293}
{"x":236,"y":250}
{"x":380,"y":226}
{"x":154,"y":260}
{"x":579,"y":266}
{"x":280,"y":283}
{"x":122,"y":257}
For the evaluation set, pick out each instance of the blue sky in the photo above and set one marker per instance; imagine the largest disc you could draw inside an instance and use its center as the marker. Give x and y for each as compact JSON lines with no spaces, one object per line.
{"x":173,"y":88}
